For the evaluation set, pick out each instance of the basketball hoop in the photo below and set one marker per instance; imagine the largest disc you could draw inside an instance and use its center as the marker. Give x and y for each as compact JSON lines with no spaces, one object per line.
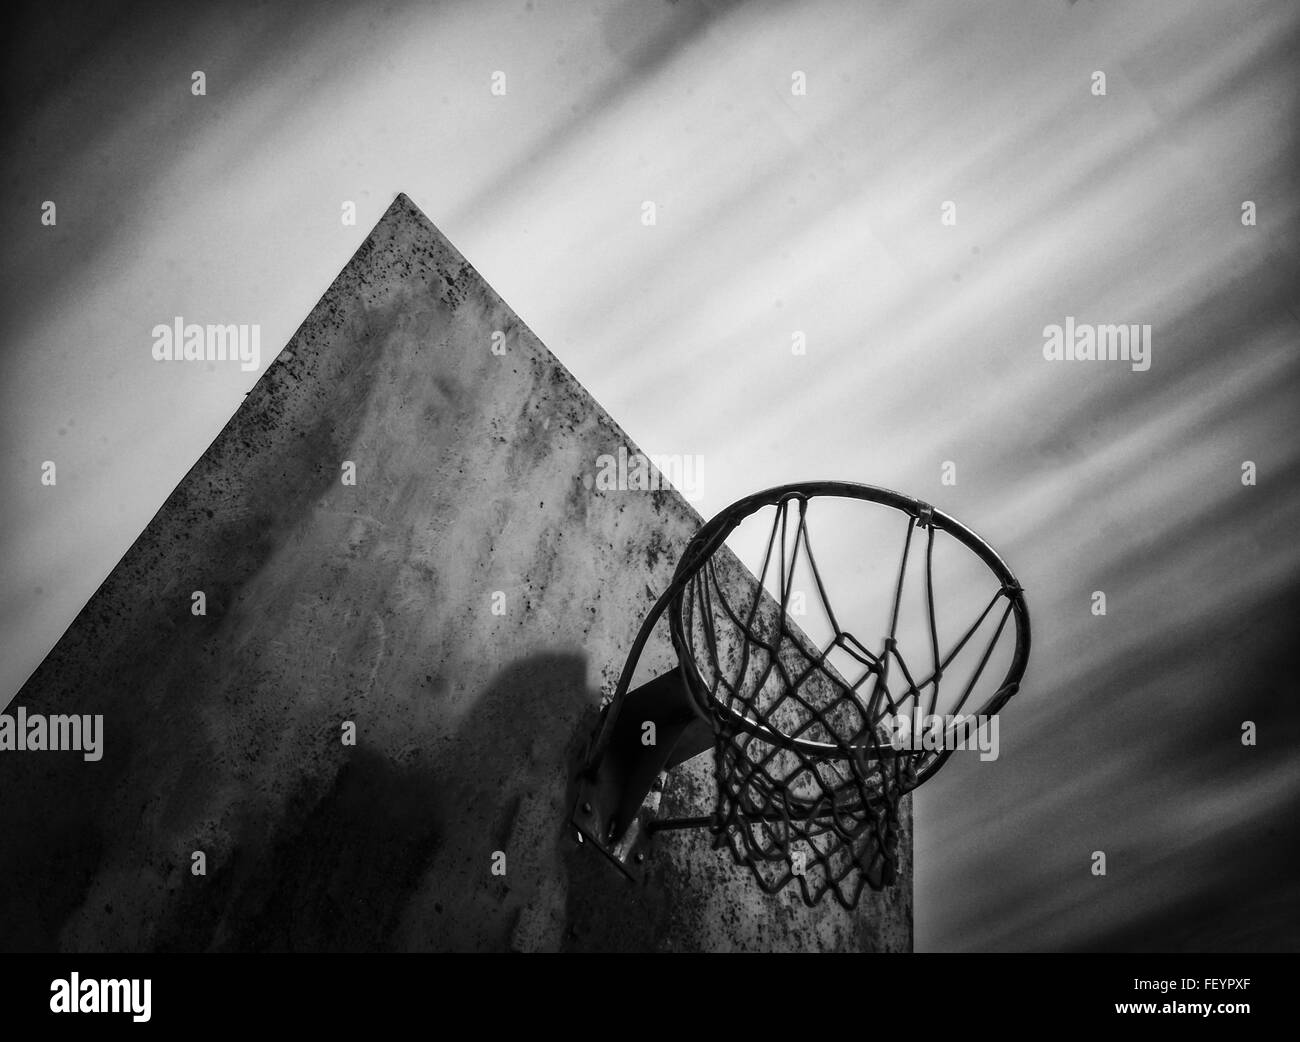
{"x":808,"y":776}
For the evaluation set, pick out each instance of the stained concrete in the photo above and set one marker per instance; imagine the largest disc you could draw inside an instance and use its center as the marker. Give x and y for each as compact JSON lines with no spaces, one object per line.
{"x":372,"y":603}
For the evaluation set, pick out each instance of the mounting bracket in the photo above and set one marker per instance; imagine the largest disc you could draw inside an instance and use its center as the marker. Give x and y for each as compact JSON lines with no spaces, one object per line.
{"x":611,"y":811}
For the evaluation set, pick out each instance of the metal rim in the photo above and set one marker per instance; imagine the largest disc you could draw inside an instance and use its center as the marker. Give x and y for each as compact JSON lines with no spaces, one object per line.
{"x":714,"y":533}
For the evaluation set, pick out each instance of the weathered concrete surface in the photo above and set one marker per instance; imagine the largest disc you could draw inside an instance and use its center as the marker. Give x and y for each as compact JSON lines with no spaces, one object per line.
{"x":373,"y":604}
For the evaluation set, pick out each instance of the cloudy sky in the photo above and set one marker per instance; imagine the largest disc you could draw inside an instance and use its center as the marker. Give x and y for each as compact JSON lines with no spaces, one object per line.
{"x":776,"y":213}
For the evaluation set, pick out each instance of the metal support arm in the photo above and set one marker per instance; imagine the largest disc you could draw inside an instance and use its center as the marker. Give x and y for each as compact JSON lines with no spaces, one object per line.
{"x":621,"y":771}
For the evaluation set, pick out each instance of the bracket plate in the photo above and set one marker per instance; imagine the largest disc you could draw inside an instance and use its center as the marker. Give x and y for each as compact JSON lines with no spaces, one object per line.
{"x":612,"y":808}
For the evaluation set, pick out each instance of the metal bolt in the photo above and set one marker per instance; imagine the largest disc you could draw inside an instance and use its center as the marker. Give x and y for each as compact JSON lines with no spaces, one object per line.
{"x":640,"y":858}
{"x":586,"y":808}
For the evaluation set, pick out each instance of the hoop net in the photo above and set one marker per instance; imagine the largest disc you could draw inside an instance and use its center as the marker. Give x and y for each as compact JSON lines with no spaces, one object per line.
{"x":808,"y":781}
